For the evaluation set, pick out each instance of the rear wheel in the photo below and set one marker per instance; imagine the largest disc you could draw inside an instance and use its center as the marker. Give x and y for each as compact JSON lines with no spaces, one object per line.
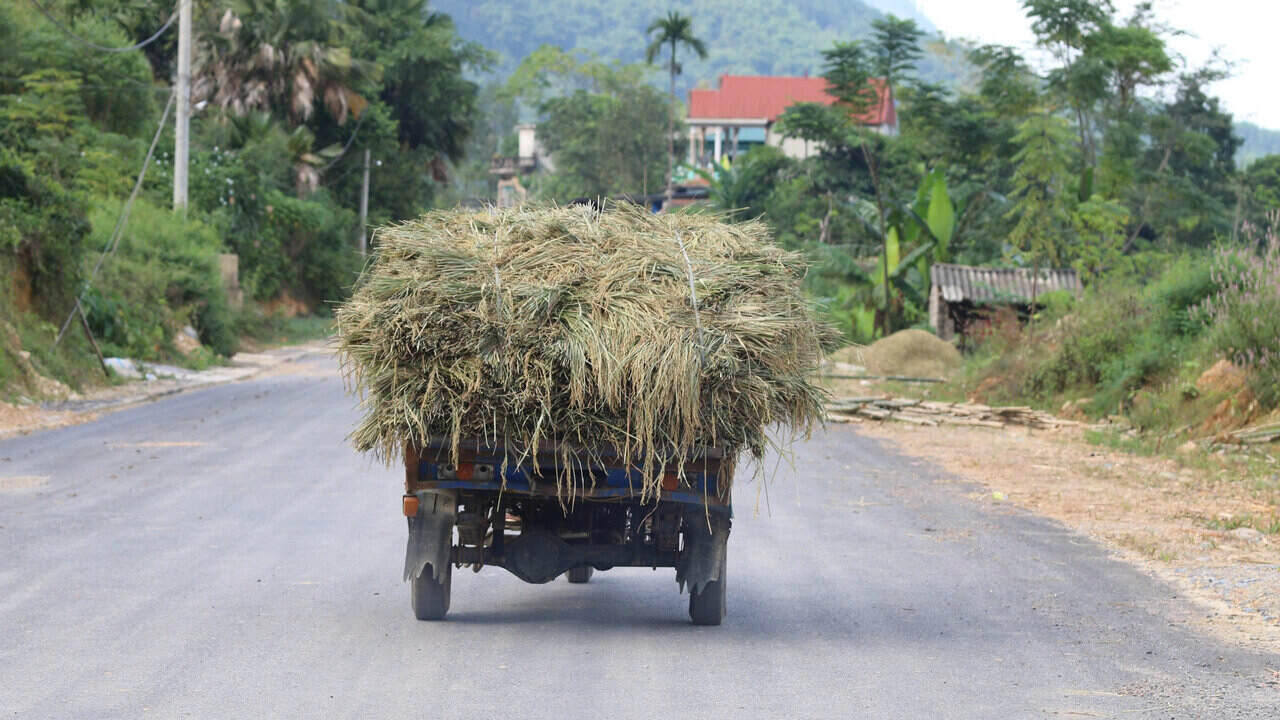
{"x":707,"y":607}
{"x":430,"y":597}
{"x":580,"y":575}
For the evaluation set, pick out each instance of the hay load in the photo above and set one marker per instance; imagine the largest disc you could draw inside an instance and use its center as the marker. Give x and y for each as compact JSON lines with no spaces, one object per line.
{"x":650,"y":334}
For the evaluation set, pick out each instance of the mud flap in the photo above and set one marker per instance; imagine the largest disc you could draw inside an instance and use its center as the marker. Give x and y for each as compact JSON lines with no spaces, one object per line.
{"x":430,"y":535}
{"x":704,"y":549}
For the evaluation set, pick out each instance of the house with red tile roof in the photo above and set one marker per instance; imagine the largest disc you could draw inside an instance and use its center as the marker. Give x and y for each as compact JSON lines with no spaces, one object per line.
{"x":743,"y":109}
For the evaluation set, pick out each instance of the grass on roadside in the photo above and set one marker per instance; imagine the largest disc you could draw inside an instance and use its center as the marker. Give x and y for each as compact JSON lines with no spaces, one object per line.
{"x":260,"y":331}
{"x":1265,"y":524}
{"x":1253,"y":472}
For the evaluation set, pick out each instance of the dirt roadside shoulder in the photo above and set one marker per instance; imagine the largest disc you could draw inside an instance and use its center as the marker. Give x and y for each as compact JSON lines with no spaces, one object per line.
{"x":26,"y":419}
{"x":1169,"y":520}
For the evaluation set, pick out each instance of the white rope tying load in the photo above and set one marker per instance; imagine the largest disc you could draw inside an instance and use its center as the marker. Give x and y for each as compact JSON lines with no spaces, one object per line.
{"x":693,"y":295}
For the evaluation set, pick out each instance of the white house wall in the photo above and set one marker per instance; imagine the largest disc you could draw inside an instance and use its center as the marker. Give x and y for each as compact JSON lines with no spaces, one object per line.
{"x":791,"y":147}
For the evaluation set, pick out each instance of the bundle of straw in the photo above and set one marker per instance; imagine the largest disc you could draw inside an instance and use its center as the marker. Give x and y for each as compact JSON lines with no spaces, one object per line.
{"x":649,"y":334}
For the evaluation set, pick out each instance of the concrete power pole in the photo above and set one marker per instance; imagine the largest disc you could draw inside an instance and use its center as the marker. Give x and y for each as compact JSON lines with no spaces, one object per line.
{"x":364,"y":207}
{"x":182,"y":132}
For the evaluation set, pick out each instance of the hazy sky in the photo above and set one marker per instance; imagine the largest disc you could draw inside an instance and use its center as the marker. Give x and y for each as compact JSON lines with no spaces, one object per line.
{"x":1246,"y":31}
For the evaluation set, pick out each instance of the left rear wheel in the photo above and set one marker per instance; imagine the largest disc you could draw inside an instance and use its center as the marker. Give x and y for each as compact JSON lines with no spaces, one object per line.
{"x":430,"y":597}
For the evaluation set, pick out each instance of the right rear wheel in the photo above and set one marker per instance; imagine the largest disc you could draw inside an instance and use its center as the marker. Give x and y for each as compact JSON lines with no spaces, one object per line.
{"x":430,"y":598}
{"x":707,"y":607}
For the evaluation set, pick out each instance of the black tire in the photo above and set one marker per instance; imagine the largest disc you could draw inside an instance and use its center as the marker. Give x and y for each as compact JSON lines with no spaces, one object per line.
{"x":580,"y":575}
{"x":430,"y":599}
{"x":708,"y":606}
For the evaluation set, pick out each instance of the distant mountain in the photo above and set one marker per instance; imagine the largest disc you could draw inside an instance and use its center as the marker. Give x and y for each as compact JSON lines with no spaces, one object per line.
{"x":1258,"y":142}
{"x":751,"y":37}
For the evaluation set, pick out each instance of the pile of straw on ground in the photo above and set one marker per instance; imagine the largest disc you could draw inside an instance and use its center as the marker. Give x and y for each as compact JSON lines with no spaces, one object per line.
{"x":649,"y":334}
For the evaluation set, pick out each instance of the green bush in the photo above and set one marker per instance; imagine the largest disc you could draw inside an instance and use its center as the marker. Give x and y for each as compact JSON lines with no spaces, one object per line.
{"x":304,"y":245}
{"x":1120,"y":337}
{"x":163,"y":276}
{"x":1244,"y":313}
{"x":1103,"y":328}
{"x":43,"y":227}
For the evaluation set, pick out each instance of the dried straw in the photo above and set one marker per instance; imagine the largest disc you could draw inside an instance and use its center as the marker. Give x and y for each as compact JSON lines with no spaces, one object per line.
{"x":580,"y":329}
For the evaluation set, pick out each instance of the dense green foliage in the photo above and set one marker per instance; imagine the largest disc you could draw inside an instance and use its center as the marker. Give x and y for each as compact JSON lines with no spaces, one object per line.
{"x":1122,"y":337}
{"x":287,"y":94}
{"x":1244,"y":313}
{"x":163,"y":275}
{"x":604,"y":124}
{"x":1111,"y":158}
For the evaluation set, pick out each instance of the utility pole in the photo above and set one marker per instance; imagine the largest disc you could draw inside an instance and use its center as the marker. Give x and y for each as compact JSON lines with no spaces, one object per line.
{"x":182,"y":132}
{"x":364,"y":206}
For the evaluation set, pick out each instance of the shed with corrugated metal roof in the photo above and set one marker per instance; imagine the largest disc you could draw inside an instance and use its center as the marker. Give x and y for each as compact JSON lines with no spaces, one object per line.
{"x":957,"y":291}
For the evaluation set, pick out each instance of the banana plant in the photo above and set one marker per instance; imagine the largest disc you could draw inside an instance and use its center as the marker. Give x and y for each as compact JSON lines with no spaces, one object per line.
{"x":924,"y":229}
{"x":917,"y":234}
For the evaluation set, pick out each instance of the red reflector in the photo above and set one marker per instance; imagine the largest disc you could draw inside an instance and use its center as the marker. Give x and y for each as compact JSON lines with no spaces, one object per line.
{"x":670,"y":481}
{"x":410,"y":505}
{"x":466,"y":471}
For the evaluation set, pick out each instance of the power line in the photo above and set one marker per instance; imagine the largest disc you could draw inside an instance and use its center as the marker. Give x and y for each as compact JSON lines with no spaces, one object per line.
{"x":114,"y":241}
{"x":103,"y":48}
{"x":347,"y":146}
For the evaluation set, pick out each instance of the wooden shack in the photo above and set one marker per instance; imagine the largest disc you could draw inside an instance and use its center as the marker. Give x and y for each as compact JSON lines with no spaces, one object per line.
{"x":962,"y":295}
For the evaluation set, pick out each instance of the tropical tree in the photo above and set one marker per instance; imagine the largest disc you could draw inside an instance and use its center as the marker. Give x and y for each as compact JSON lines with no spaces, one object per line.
{"x":848,"y":72}
{"x":674,"y":30}
{"x":603,"y":143}
{"x":1064,"y":27}
{"x":1040,"y":189}
{"x":279,"y":55}
{"x":424,"y":66}
{"x":896,"y":47}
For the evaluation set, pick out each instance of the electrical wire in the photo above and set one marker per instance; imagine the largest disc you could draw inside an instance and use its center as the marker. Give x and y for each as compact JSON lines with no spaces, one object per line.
{"x":114,"y":241}
{"x":347,"y":146}
{"x":103,"y":48}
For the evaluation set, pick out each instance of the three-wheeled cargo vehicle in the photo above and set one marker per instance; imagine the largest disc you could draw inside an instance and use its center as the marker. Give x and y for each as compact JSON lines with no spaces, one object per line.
{"x":543,"y":514}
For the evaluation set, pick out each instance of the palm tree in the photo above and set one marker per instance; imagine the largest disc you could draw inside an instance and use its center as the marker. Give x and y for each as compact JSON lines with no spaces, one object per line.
{"x":277,"y":55}
{"x":673,"y":30}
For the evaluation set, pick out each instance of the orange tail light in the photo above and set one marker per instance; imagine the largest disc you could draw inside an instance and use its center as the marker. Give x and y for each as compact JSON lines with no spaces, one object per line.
{"x":410,"y":505}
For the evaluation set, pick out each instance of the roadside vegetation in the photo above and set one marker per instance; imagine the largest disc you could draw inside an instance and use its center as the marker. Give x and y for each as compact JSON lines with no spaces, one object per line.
{"x":288,"y":95}
{"x":1115,"y":159}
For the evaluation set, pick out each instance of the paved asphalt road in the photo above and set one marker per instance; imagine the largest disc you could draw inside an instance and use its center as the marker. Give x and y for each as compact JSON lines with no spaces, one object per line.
{"x":225,"y":554}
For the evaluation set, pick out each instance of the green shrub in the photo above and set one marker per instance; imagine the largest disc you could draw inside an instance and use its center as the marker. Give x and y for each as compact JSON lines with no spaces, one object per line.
{"x":301,"y":245}
{"x":163,"y":276}
{"x":1118,"y":338}
{"x":304,"y":245}
{"x":1176,"y":293}
{"x":43,"y":227}
{"x":1103,"y":328}
{"x":1244,"y":313}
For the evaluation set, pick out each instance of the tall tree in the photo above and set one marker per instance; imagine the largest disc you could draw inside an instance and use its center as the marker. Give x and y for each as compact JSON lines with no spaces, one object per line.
{"x":424,"y":80}
{"x":1064,"y":27}
{"x":674,"y":30}
{"x":895,"y":44}
{"x":604,"y":143}
{"x":1040,"y":189}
